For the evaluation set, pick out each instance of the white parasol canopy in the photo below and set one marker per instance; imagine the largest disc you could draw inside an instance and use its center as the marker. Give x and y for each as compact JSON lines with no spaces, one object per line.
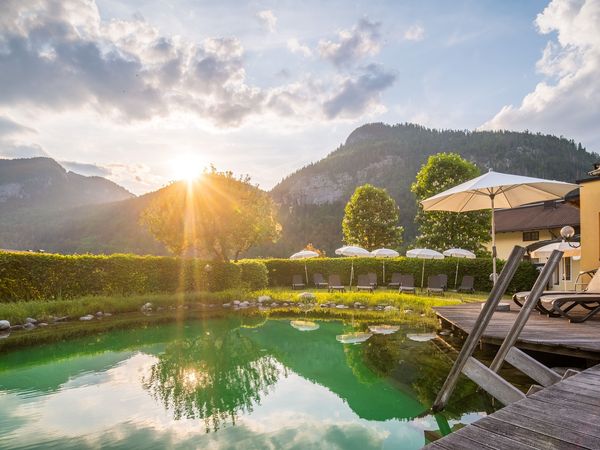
{"x":496,"y":190}
{"x":458,"y":253}
{"x":423,"y":253}
{"x":305,"y":254}
{"x":385,"y":253}
{"x":351,"y":250}
{"x":569,"y":249}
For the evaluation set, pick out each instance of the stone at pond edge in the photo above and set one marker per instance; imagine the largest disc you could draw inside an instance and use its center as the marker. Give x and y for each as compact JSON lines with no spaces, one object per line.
{"x":226,"y":305}
{"x":28,"y":326}
{"x":4,"y":325}
{"x":263,"y":298}
{"x":87,"y":317}
{"x":31,"y":320}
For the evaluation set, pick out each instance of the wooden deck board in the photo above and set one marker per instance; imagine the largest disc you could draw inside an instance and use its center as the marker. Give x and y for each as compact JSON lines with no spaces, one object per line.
{"x":562,"y":416}
{"x":540,"y":333}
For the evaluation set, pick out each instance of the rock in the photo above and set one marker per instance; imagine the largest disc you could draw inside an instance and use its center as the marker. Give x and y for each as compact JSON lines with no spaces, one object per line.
{"x":16,"y":327}
{"x":4,"y":325}
{"x":42,"y":324}
{"x":31,"y":320}
{"x":324,"y":305}
{"x":226,"y":305}
{"x":107,"y":314}
{"x":407,"y":311}
{"x":356,"y":304}
{"x":390,"y":308}
{"x":86,"y":317}
{"x":244,"y":304}
{"x":286,"y":304}
{"x":99,"y":314}
{"x":274,"y":304}
{"x":61,"y":319}
{"x":342,"y":306}
{"x":236,"y":302}
{"x":146,"y":307}
{"x":263,"y":298}
{"x":307,"y":296}
{"x":28,"y":326}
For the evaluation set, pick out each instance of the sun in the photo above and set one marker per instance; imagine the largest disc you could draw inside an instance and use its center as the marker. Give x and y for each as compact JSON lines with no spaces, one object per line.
{"x":187,"y":167}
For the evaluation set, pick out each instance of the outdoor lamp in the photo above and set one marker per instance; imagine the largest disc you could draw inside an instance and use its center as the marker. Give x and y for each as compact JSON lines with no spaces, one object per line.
{"x":567,"y":232}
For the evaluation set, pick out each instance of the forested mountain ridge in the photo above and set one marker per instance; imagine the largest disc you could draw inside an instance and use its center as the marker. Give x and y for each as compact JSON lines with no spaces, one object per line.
{"x":389,"y":156}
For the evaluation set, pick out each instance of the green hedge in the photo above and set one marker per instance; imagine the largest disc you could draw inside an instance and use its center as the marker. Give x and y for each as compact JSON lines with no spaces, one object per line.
{"x":281,"y":270}
{"x":33,"y":276}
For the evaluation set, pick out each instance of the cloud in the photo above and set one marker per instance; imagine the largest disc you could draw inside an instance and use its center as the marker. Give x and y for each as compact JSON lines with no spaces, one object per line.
{"x":359,"y":94}
{"x":296,"y":47}
{"x":414,"y":33}
{"x":362,"y":40}
{"x":267,"y":19}
{"x":11,"y":150}
{"x":9,"y":127}
{"x":86,"y":169}
{"x":567,"y":101}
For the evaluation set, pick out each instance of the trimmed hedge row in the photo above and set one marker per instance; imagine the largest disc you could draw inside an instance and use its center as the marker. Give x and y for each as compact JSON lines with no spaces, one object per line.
{"x":281,"y":270}
{"x":34,"y":276}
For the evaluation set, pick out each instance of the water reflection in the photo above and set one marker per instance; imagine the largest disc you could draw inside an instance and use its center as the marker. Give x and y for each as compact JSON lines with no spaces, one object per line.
{"x":222,"y":383}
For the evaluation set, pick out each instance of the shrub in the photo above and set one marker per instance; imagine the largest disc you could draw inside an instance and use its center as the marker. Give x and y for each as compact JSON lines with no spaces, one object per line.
{"x":254,"y":274}
{"x":32,"y":276}
{"x":281,"y":270}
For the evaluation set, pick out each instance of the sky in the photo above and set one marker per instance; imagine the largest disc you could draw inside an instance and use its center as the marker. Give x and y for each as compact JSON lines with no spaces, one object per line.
{"x":144,"y":92}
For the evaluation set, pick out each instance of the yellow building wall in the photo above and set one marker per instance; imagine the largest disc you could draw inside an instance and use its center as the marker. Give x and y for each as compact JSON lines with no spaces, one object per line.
{"x":589,"y":199}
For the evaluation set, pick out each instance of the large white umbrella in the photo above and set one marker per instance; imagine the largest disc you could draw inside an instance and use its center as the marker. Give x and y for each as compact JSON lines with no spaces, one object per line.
{"x":385,"y":253}
{"x":353,"y":251}
{"x":458,"y":253}
{"x":496,"y":190}
{"x":569,"y":250}
{"x":423,"y":253}
{"x":305,"y":254}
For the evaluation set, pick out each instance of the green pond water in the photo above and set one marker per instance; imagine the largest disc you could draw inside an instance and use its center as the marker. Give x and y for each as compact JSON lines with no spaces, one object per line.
{"x":230,"y":383}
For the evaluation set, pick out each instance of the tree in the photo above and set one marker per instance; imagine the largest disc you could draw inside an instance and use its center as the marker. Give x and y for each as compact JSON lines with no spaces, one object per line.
{"x":441,"y":230}
{"x":218,"y":215}
{"x":371,"y":219}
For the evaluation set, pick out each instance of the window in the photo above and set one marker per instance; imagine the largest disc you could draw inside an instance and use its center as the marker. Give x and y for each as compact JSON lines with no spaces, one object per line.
{"x":567,"y":263}
{"x":531,"y":236}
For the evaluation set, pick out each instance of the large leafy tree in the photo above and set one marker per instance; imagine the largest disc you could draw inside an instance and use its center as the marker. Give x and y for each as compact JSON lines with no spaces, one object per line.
{"x":440,"y":230}
{"x":371,"y":219}
{"x":217,"y":215}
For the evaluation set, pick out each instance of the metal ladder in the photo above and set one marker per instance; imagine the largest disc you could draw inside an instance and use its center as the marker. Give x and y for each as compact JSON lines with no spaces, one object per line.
{"x":487,"y":377}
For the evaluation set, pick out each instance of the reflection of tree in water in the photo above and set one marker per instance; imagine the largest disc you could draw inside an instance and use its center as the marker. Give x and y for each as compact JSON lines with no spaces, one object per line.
{"x":213,"y":378}
{"x":422,"y":367}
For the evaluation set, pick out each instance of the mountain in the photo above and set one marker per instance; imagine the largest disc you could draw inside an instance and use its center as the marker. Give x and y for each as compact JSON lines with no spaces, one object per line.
{"x":43,"y":184}
{"x":312,"y":199}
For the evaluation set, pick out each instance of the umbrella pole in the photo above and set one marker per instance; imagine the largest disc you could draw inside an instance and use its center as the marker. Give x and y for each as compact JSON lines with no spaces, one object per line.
{"x":306,"y":273}
{"x":494,"y":276}
{"x":383,"y":281}
{"x":351,"y":274}
{"x":422,"y":274}
{"x":456,"y":275}
{"x":564,"y":272}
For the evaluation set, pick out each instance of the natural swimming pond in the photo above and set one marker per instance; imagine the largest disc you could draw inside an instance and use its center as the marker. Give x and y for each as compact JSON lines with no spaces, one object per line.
{"x":235,"y":382}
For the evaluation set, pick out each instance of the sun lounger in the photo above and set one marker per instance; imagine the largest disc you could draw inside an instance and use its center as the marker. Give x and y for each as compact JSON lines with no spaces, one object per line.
{"x":394,"y":281}
{"x":562,"y":305}
{"x":364,"y":283}
{"x":407,"y":283}
{"x":434,"y":285}
{"x":335,"y":284}
{"x":297,"y":282}
{"x":372,"y":279}
{"x":467,"y":284}
{"x":546,"y":307}
{"x":444,"y":280}
{"x":319,"y":281}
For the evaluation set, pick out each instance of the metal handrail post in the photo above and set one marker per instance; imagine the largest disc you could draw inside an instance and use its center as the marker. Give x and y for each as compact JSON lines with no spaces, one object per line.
{"x":536,"y":292}
{"x":498,"y":290}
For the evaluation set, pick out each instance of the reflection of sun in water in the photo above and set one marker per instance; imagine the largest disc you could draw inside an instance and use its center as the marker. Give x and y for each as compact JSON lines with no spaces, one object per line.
{"x":193,"y":379}
{"x":187,"y":167}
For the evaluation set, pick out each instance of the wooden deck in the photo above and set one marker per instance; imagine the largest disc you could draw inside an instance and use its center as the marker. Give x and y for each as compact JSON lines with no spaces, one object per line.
{"x":541,"y":333}
{"x":565,"y":415}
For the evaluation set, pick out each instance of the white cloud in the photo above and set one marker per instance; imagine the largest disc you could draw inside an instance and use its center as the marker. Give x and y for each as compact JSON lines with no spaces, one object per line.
{"x":268,"y":20}
{"x":414,"y":33}
{"x":364,"y":39}
{"x":294,"y":45}
{"x":567,"y":102}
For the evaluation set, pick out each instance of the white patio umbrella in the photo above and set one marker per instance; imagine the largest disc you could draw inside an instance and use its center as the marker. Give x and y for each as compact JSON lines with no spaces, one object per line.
{"x":385,"y":253}
{"x":458,"y":253}
{"x":423,"y":253}
{"x":353,"y":251}
{"x":496,"y":190}
{"x":569,"y":249}
{"x":305,"y":254}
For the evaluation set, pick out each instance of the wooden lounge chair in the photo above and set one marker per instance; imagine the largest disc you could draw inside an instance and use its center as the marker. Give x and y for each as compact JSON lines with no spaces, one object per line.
{"x":444,"y":280}
{"x":407,"y":284}
{"x":562,"y":304}
{"x":297,"y":282}
{"x":394,"y":281}
{"x":364,"y":283}
{"x":319,"y":281}
{"x":467,"y":284}
{"x":335,"y":284}
{"x":434,"y":285}
{"x":545,"y":307}
{"x":372,"y":279}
